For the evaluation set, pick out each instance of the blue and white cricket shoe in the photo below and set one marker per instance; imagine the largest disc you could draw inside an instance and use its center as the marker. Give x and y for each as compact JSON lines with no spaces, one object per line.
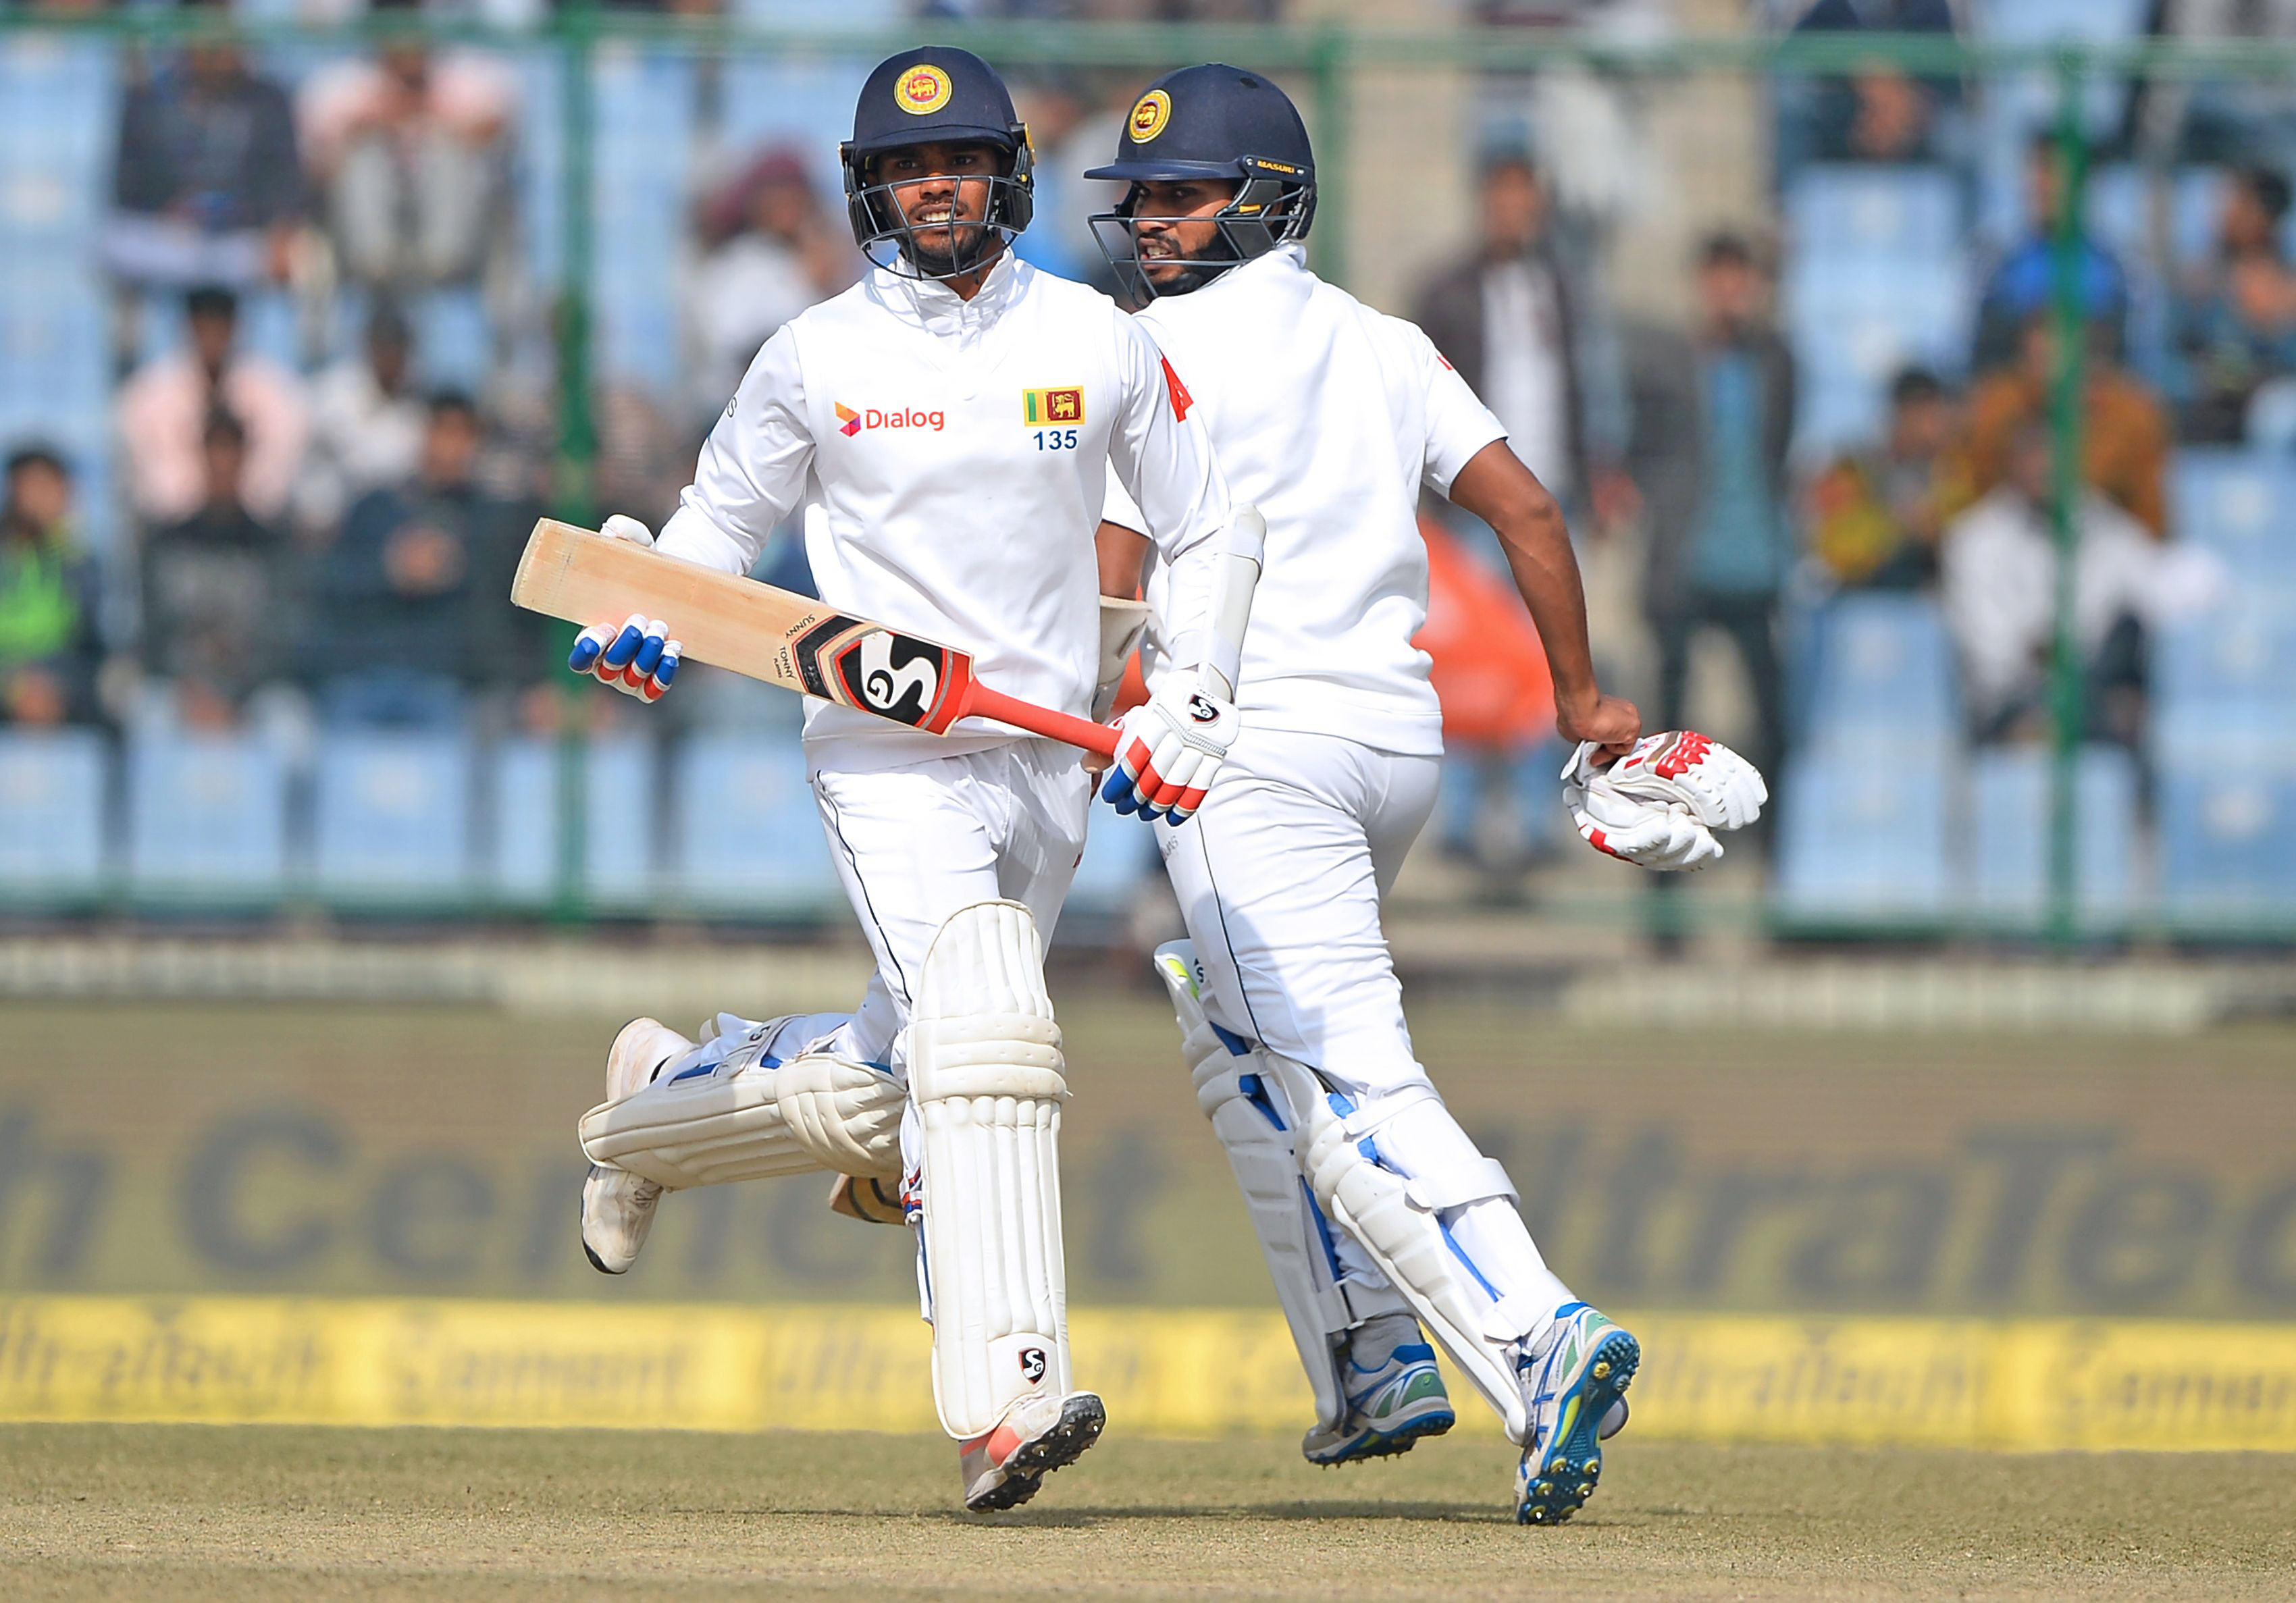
{"x":1391,"y":1404}
{"x":1575,"y":1381}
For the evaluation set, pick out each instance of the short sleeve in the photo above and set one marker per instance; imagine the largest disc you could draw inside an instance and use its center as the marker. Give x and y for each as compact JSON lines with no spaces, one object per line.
{"x":752,"y":468}
{"x":1458,"y":423}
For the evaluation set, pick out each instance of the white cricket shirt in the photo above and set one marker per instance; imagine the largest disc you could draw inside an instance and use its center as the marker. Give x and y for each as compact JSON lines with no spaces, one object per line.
{"x":951,"y":457}
{"x":1329,"y":416}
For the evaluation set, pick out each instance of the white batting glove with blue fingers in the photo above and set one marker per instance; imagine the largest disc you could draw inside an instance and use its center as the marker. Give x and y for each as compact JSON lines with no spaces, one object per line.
{"x":1169,"y":750}
{"x":639,"y":659}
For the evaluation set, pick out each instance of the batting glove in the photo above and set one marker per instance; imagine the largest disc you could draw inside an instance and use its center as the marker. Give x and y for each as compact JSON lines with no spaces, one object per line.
{"x":638,"y":659}
{"x":1168,"y":750}
{"x":1658,"y":806}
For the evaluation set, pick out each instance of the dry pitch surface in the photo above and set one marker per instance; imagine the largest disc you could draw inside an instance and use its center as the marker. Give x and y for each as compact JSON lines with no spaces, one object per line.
{"x":254,"y":1512}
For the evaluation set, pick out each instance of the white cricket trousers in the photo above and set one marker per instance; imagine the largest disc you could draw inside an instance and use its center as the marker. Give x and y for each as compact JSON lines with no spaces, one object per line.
{"x":1280,"y":876}
{"x":916,"y":844}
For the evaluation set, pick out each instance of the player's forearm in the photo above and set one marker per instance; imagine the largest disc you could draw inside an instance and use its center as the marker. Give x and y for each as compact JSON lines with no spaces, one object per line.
{"x":1498,"y":488}
{"x":1123,"y":557}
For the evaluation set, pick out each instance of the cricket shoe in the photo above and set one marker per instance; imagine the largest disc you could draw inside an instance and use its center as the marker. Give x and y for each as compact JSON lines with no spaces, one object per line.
{"x":1391,"y":1401}
{"x":618,"y":1206}
{"x":1574,"y":1380}
{"x":1003,"y":1468}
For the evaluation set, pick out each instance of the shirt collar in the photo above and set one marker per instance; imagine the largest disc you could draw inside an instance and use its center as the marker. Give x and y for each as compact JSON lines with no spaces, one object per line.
{"x":933,"y":307}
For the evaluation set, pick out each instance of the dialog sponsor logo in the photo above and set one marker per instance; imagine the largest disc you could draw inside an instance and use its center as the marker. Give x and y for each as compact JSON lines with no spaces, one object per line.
{"x":850,"y":421}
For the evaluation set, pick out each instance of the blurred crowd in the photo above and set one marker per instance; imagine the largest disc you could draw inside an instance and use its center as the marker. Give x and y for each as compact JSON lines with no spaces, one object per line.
{"x":322,"y":529}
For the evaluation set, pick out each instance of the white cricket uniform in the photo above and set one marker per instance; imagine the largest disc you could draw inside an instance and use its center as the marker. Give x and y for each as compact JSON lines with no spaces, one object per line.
{"x":950,"y":457}
{"x":1329,"y":417}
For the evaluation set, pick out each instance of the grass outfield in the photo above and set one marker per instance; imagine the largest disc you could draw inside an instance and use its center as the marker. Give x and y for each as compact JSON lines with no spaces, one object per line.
{"x":252,"y":1512}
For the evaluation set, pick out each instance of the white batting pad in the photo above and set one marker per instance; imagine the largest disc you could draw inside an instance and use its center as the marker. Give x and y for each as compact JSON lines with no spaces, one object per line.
{"x":733,"y":1120}
{"x":985,"y":1071}
{"x":1394,"y":1219}
{"x":1256,"y":1135}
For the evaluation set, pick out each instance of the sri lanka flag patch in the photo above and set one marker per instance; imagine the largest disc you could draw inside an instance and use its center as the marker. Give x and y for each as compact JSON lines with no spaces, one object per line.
{"x":1041,"y":408}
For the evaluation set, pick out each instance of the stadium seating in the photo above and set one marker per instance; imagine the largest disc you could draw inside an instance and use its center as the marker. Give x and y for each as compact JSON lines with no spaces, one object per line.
{"x":747,"y":837}
{"x":2241,"y":506}
{"x":644,"y":108}
{"x":206,"y":819}
{"x":522,"y":855}
{"x":2228,"y":842}
{"x":1876,"y":212}
{"x":1883,"y":673}
{"x":2008,"y":863}
{"x":53,"y":811}
{"x":1878,"y":279}
{"x":392,"y":817}
{"x":1862,"y":840}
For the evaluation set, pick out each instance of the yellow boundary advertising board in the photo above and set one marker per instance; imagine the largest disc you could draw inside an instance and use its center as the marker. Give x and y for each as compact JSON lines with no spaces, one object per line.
{"x":2021,"y":1385}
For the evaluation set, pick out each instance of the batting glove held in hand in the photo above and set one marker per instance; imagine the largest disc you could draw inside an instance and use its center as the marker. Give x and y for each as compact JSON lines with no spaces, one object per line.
{"x":1658,"y":806}
{"x":1167,"y":749}
{"x":636,"y":660}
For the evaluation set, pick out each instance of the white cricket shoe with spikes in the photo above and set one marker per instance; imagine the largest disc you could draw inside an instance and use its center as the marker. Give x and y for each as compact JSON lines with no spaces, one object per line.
{"x":1574,"y":1380}
{"x":617,"y":1206}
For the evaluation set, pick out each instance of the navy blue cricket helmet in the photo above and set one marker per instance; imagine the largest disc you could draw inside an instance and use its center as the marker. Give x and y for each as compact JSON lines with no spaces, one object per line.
{"x":1220,"y":122}
{"x":934,"y":95}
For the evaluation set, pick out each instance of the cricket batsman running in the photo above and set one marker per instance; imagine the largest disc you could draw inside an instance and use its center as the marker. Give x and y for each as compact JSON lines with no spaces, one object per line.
{"x":948,"y":426}
{"x":1331,"y":416}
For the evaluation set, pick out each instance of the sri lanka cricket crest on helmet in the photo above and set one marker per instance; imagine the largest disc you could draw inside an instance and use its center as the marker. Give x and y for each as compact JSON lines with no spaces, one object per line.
{"x":1219,"y":123}
{"x":935,"y":95}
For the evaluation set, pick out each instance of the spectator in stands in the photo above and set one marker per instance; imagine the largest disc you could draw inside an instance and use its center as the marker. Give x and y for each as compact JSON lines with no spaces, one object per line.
{"x":2023,"y":284}
{"x":1527,"y":327}
{"x":367,"y":426}
{"x":1713,"y":414}
{"x":2124,"y":429}
{"x":164,"y":408}
{"x":1999,"y":561}
{"x":48,"y":646}
{"x":1876,"y":113}
{"x":207,"y":188}
{"x":412,"y":151}
{"x":768,"y":253}
{"x":2235,"y":326}
{"x":1875,"y":514}
{"x":393,"y":642}
{"x":217,"y":592}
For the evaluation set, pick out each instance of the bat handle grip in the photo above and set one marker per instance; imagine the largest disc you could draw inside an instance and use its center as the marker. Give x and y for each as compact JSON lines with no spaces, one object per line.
{"x":981,"y":702}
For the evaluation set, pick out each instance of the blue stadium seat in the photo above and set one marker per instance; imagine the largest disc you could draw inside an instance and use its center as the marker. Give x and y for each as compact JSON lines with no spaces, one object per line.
{"x":2121,"y":212}
{"x":393,"y":815}
{"x":620,"y":795}
{"x":2227,"y":676}
{"x":644,"y":103}
{"x":1884,"y":674}
{"x":2008,"y":866}
{"x":2241,"y":506}
{"x":1118,"y":853}
{"x":748,"y":837}
{"x":52,"y":838}
{"x":1874,"y":211}
{"x":1862,"y":841}
{"x":207,"y":818}
{"x":2228,"y":835}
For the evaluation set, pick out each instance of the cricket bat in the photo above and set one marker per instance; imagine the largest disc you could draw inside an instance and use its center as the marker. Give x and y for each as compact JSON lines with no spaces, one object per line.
{"x":774,"y":635}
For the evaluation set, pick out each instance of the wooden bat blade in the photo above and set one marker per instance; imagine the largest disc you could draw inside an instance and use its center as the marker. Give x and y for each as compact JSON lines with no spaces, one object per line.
{"x":781,"y":638}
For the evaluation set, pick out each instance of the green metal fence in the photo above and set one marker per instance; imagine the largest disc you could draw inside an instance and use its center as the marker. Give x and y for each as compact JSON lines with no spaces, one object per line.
{"x":1330,"y":62}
